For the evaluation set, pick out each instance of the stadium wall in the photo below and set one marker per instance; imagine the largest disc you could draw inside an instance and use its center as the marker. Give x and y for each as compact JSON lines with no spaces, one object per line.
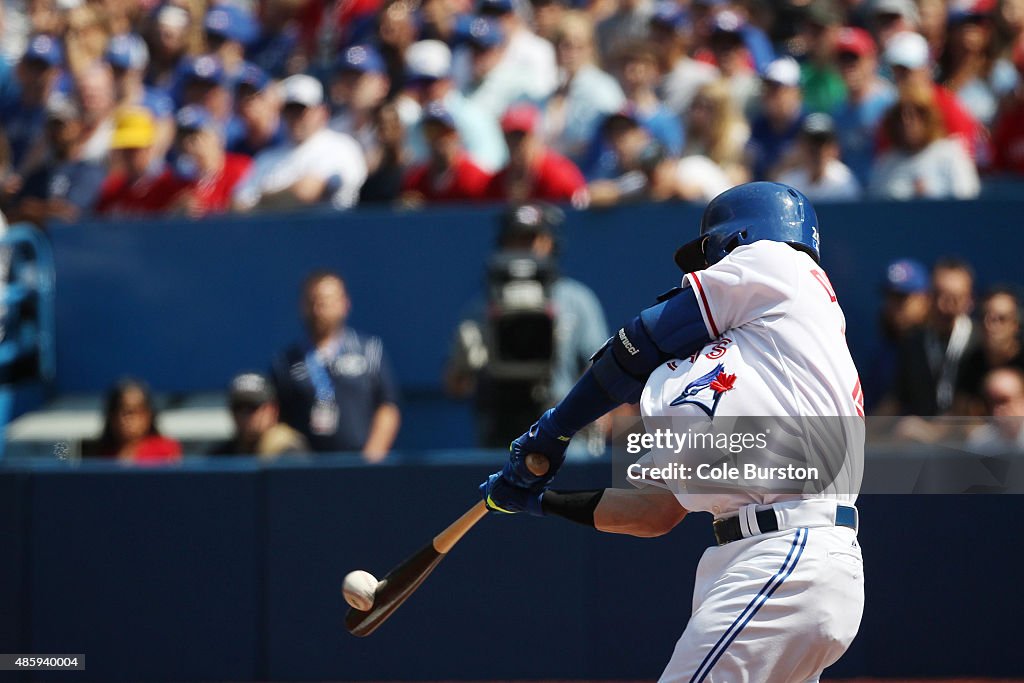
{"x":222,"y":570}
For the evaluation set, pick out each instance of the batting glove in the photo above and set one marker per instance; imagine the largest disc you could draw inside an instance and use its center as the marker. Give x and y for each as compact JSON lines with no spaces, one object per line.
{"x":501,"y":496}
{"x":543,"y":438}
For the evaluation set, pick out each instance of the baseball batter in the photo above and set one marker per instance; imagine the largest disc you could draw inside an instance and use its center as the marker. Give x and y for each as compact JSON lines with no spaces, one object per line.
{"x":754,"y":330}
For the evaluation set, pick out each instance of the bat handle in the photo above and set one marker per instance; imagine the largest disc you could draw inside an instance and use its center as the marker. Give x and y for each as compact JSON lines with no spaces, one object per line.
{"x":447,"y":539}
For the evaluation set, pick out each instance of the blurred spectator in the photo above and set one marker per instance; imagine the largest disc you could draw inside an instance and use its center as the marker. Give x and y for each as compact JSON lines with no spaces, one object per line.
{"x":396,"y":33}
{"x":257,"y":123}
{"x":889,"y":17}
{"x":66,"y":186}
{"x":970,"y":66}
{"x":316,"y":164}
{"x":933,"y":22}
{"x":130,"y":433}
{"x":868,"y":97}
{"x":169,"y":45}
{"x":670,"y":31}
{"x":1004,"y":396}
{"x":774,"y":131}
{"x":23,"y":119}
{"x":229,"y":28}
{"x":95,"y":85}
{"x":716,"y":129}
{"x":276,"y":46}
{"x":922,"y":162}
{"x":449,"y":175}
{"x":138,"y":183}
{"x":585,"y":94}
{"x":256,"y":417}
{"x":630,"y":22}
{"x":205,"y":84}
{"x":327,"y":27}
{"x":907,"y":55}
{"x":699,"y":179}
{"x":817,"y":170}
{"x":1008,"y":130}
{"x":930,"y":356}
{"x":359,"y":86}
{"x":86,"y":37}
{"x":820,"y":81}
{"x":494,"y":83}
{"x":639,"y":75}
{"x":638,"y":167}
{"x":547,"y":17}
{"x":905,"y":306}
{"x":207,"y":174}
{"x":128,"y":57}
{"x":525,"y":52}
{"x":337,"y":388}
{"x":732,"y":58}
{"x":1000,"y":346}
{"x":441,"y":20}
{"x":428,"y":79}
{"x":387,"y":161}
{"x":565,"y":318}
{"x":534,"y":172}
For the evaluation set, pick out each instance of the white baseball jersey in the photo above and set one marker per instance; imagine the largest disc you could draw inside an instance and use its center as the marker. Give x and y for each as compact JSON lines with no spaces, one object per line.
{"x":778,"y":350}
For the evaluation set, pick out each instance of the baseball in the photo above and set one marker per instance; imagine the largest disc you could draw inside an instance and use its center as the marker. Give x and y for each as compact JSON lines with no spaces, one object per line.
{"x":358,"y":589}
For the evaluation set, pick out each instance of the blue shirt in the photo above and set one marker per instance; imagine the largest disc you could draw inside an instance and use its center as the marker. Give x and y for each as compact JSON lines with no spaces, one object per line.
{"x":360,"y":378}
{"x":857,"y":129}
{"x":76,"y":182}
{"x":767,"y":146}
{"x":272,"y":49}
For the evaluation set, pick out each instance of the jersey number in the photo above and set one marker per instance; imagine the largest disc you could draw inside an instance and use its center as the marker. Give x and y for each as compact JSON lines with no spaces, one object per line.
{"x":823,"y":279}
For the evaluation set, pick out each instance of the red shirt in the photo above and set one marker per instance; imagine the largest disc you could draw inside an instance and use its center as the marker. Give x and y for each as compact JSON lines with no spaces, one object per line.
{"x":146,"y":196}
{"x":213,"y":195}
{"x":553,"y":178}
{"x":152,"y":450}
{"x":1008,"y":139}
{"x":463,"y":181}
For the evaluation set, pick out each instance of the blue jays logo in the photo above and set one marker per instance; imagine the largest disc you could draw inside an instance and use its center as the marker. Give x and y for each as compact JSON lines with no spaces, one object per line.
{"x":716,"y":381}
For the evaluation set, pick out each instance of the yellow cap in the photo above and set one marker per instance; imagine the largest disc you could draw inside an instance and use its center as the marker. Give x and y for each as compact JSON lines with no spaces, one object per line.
{"x":133,"y":128}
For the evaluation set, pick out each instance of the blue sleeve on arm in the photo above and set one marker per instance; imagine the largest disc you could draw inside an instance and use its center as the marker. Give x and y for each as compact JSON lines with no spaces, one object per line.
{"x":673,"y":328}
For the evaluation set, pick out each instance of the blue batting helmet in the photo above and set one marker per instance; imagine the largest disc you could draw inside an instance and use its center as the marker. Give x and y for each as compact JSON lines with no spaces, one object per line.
{"x":750,"y":213}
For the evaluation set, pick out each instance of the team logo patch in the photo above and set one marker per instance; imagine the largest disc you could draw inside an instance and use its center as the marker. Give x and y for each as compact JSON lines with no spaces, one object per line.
{"x":717,"y":382}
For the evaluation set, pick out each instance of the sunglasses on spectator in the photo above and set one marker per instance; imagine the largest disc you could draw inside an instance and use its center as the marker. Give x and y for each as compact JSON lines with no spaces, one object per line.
{"x":886,"y":19}
{"x":294,"y":109}
{"x":848,"y":57}
{"x":245,"y":409}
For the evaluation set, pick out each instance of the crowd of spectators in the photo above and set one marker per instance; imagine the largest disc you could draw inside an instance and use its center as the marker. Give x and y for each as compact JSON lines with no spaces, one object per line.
{"x":137,"y":107}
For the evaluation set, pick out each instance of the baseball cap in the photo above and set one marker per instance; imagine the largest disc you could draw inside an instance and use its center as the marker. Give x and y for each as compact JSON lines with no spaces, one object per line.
{"x":527,"y":220}
{"x":231,"y":22}
{"x":520,"y":118}
{"x":204,"y":68}
{"x":362,"y":59}
{"x":727,"y":22}
{"x":856,"y":41}
{"x":252,"y":76}
{"x":906,"y":276}
{"x":172,"y":16}
{"x":904,"y":8}
{"x":250,"y":389}
{"x":302,"y":89}
{"x":438,"y":113}
{"x":970,"y":10}
{"x":494,"y":7}
{"x":193,"y":118}
{"x":428,"y":59}
{"x":60,"y":107}
{"x":133,"y":128}
{"x":784,"y":71}
{"x":668,"y":13}
{"x":44,"y":48}
{"x":127,"y":51}
{"x":485,"y":33}
{"x":907,"y":49}
{"x":819,"y":126}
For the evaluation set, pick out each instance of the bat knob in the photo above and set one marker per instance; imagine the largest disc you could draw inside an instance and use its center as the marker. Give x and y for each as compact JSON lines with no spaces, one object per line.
{"x":537,"y":464}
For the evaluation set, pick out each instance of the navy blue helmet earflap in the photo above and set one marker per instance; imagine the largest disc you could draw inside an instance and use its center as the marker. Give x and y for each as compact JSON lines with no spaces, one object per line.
{"x":750,"y":213}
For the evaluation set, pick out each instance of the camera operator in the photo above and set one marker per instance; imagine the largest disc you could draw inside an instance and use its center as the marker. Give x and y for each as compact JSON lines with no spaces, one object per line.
{"x":521,"y":348}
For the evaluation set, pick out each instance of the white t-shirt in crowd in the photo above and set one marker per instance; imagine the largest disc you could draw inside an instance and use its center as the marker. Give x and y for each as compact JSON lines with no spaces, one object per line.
{"x":836,"y":185}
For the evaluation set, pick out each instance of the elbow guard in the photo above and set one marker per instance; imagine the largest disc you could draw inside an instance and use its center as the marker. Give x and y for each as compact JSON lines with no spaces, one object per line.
{"x":673,"y":328}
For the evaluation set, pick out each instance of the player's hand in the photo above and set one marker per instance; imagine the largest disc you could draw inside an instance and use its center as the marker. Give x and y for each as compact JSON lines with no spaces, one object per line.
{"x":501,"y":496}
{"x":544,"y":439}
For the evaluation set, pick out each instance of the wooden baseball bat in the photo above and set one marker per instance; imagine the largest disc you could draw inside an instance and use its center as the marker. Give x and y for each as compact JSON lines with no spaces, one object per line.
{"x":402,"y":581}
